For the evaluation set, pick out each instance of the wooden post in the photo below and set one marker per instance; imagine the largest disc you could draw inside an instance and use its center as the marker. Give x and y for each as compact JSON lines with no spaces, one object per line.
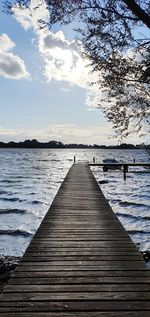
{"x":125,"y":170}
{"x":74,"y":159}
{"x":105,"y":168}
{"x":93,"y":160}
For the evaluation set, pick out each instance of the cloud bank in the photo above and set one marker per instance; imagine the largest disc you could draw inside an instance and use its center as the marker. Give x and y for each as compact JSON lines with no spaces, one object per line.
{"x":67,"y":133}
{"x":11,"y":65}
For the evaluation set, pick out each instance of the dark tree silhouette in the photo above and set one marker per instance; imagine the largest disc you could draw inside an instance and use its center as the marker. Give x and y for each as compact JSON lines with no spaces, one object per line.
{"x":109,"y":31}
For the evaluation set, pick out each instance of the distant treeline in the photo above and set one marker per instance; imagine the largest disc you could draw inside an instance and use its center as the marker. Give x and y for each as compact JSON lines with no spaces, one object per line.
{"x":34,"y":144}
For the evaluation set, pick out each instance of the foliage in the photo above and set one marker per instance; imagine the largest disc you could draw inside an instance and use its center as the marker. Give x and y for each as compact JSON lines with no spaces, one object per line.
{"x":111,"y":34}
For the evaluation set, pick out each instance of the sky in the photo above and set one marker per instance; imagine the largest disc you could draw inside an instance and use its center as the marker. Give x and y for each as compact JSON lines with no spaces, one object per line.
{"x":45,"y":84}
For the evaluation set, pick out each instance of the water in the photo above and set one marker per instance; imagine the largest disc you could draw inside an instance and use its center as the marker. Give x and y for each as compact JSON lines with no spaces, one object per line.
{"x":29,"y":180}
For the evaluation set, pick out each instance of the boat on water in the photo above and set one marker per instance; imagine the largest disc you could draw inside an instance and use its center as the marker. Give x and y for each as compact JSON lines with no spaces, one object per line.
{"x":113,"y":164}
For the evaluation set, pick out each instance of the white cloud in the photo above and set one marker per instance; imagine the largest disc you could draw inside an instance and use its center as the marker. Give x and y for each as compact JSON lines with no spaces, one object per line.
{"x":30,"y":16}
{"x":11,"y":65}
{"x":6,"y":43}
{"x":62,"y":58}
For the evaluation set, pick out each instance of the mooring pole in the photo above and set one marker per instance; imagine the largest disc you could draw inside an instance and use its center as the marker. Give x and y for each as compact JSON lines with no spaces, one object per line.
{"x":93,"y":160}
{"x":74,"y":159}
{"x":125,"y":170}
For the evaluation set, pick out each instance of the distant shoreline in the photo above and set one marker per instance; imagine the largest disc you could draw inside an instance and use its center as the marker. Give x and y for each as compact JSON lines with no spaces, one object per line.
{"x":34,"y":144}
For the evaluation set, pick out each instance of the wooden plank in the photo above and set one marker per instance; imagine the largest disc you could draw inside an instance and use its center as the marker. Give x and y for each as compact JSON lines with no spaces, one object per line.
{"x":76,"y":314}
{"x":64,"y":296}
{"x":78,"y":244}
{"x":87,"y":273}
{"x":79,"y":280}
{"x":78,"y":268}
{"x":59,"y":288}
{"x":81,"y":262}
{"x":82,"y":251}
{"x":50,"y":257}
{"x":76,"y":305}
{"x":84,"y":244}
{"x":83,"y":231}
{"x":81,"y":238}
{"x":83,"y":234}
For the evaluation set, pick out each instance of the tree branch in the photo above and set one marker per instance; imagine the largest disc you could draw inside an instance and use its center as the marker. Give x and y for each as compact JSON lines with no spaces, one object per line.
{"x":138,"y":11}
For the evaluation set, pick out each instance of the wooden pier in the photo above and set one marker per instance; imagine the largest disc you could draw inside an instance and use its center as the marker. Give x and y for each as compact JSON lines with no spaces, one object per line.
{"x":81,"y":261}
{"x":124,"y":166}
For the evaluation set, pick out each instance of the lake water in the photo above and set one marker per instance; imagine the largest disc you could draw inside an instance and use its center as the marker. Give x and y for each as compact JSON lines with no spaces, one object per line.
{"x":29,"y":180}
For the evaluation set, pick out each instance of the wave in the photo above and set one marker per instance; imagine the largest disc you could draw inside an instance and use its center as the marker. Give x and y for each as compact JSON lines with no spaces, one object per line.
{"x":129,"y":216}
{"x":103,"y":181}
{"x":36,"y":202}
{"x":12,"y":211}
{"x":16,"y":232}
{"x":129,"y":203}
{"x":2,"y":192}
{"x":55,"y":160}
{"x":21,"y":177}
{"x":141,"y":172}
{"x":138,"y":231}
{"x":8,"y":181}
{"x":13,"y":199}
{"x":17,"y":199}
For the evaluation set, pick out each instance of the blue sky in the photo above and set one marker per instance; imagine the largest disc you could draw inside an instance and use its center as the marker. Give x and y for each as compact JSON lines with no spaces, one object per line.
{"x":45,"y":91}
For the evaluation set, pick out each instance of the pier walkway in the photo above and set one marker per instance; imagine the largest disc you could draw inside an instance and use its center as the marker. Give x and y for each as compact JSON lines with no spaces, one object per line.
{"x":81,"y":261}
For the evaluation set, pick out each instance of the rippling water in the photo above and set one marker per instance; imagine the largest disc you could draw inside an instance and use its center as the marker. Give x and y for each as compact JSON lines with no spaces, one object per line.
{"x":29,"y":180}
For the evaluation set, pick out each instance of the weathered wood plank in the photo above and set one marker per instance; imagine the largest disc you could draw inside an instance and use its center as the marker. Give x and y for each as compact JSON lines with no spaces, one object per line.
{"x":77,"y":268}
{"x":48,"y":258}
{"x":81,"y":263}
{"x":76,"y":314}
{"x":81,"y":250}
{"x":59,"y":288}
{"x":80,"y":280}
{"x":80,"y":246}
{"x":55,"y":296}
{"x":92,"y":244}
{"x":101,"y":253}
{"x":81,"y":238}
{"x":88,"y":253}
{"x":76,"y":305}
{"x":87,"y":273}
